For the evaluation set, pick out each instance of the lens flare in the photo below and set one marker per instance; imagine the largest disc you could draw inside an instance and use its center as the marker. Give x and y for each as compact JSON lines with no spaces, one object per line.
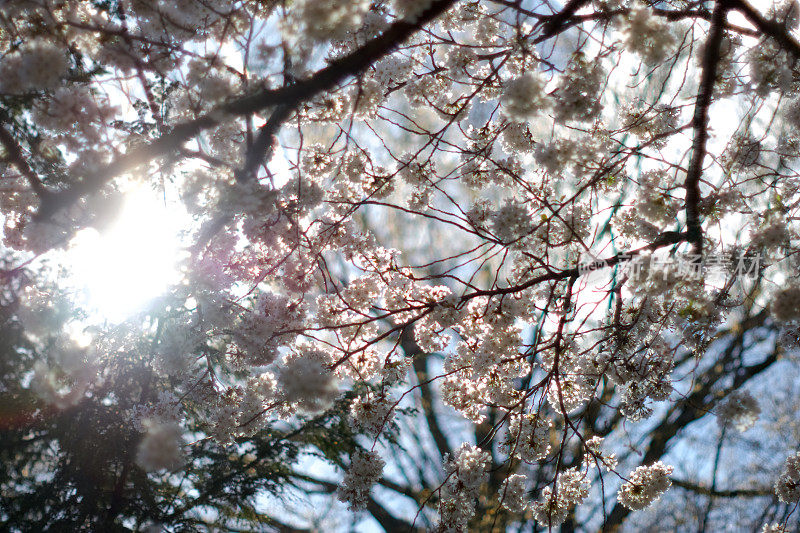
{"x":117,"y":271}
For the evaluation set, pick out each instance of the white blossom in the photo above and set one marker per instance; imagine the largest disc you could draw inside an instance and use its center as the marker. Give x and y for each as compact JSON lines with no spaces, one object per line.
{"x":552,"y":508}
{"x":305,"y":381}
{"x":787,"y":486}
{"x":740,"y":409}
{"x":323,"y":20}
{"x":528,"y":437}
{"x":465,"y":471}
{"x":37,"y":65}
{"x":411,"y":9}
{"x":645,"y":485}
{"x":513,"y":493}
{"x":365,"y":470}
{"x":371,"y":413}
{"x":648,"y":35}
{"x":524,"y":97}
{"x":786,"y":303}
{"x":161,"y":447}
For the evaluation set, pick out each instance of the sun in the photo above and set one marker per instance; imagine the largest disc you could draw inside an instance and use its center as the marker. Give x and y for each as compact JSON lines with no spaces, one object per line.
{"x":118,"y":270}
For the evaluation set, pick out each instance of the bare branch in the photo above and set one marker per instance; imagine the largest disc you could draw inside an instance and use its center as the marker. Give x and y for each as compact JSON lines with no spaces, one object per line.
{"x":700,"y":124}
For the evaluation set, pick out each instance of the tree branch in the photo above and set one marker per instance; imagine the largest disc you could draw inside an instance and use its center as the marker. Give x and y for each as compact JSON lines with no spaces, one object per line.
{"x":420,"y":360}
{"x":669,"y":14}
{"x":667,"y":238}
{"x":290,"y":96}
{"x":717,"y":493}
{"x":264,"y":143}
{"x":696,"y":405}
{"x":769,"y":28}
{"x":700,"y":124}
{"x":387,"y":521}
{"x":16,"y":158}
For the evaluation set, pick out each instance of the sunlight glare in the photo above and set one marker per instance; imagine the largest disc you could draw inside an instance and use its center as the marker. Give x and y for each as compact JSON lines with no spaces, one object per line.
{"x":118,"y":270}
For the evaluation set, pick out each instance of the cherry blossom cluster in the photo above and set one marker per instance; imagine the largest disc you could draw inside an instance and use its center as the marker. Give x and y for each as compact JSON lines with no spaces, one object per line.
{"x":426,"y":204}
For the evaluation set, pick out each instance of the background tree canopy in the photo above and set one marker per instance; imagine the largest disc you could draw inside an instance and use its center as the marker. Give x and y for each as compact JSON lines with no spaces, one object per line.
{"x":407,"y":265}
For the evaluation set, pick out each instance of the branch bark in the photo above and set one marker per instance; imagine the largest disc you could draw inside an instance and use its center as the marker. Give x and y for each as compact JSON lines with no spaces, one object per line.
{"x":290,"y":96}
{"x":420,"y":360}
{"x":696,"y":405}
{"x":708,"y":78}
{"x":16,"y":157}
{"x":717,"y":493}
{"x":768,"y":28}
